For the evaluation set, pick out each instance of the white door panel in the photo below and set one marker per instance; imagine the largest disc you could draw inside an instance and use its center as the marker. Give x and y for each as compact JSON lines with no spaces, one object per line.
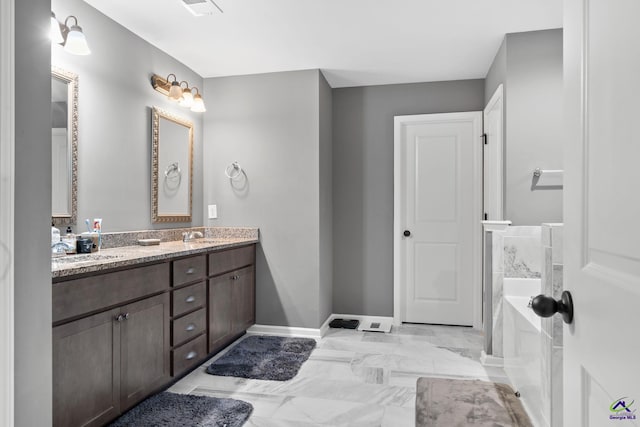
{"x":602,"y":212}
{"x":440,"y":207}
{"x":493,"y":165}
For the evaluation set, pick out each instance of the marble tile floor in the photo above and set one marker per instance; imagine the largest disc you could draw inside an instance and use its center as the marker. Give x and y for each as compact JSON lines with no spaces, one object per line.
{"x":354,"y":379}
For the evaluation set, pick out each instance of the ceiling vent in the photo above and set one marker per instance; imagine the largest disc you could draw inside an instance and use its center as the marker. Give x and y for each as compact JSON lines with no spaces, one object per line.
{"x":201,"y":7}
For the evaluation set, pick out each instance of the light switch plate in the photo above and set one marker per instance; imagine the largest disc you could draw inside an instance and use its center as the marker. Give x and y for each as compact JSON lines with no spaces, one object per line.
{"x":213,"y":211}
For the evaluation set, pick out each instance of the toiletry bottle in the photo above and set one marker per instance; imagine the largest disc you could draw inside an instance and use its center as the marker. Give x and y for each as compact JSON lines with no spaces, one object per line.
{"x":70,"y":239}
{"x":55,"y":235}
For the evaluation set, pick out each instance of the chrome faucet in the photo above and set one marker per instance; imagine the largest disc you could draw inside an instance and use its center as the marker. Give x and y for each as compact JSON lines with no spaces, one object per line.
{"x":189,"y":236}
{"x":60,"y":248}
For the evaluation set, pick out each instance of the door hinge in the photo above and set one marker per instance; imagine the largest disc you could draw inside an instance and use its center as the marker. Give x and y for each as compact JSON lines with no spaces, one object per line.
{"x":484,"y":138}
{"x":486,"y":216}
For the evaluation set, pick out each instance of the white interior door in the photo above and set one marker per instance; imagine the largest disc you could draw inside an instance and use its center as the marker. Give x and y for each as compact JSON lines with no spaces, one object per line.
{"x":440,"y":206}
{"x":7,"y":181}
{"x":492,"y":158}
{"x":602,"y":212}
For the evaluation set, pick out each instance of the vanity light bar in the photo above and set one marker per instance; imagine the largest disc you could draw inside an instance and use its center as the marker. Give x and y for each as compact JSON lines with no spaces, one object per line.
{"x":164,"y":85}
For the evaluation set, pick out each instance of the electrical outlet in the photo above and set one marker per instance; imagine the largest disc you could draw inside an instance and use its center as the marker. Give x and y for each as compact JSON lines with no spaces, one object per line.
{"x":213,"y":211}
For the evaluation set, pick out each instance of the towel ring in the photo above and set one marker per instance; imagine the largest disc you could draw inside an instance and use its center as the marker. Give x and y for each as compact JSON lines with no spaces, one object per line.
{"x":233,"y":171}
{"x":173,"y":172}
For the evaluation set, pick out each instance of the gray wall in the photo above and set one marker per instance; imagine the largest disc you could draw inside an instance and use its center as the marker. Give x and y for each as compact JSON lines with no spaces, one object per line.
{"x":530,"y":67}
{"x":114,"y":154}
{"x":326,"y":200}
{"x":269,"y":123}
{"x":497,"y":74}
{"x":363,"y":183}
{"x":32,"y":214}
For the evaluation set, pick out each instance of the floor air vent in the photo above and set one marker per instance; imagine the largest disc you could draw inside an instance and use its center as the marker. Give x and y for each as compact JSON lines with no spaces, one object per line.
{"x":375,"y":327}
{"x":201,"y":7}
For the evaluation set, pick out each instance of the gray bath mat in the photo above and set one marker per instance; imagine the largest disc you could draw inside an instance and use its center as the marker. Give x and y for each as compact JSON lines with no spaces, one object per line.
{"x":264,"y":358}
{"x":170,"y":410}
{"x":458,"y":403}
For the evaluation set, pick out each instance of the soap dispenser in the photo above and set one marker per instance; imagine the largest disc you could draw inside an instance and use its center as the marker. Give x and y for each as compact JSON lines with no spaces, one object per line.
{"x":70,"y":240}
{"x":55,"y":234}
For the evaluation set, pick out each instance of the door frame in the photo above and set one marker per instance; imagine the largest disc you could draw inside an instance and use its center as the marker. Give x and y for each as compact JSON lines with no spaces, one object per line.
{"x":398,"y":290}
{"x":498,"y":152}
{"x":7,"y":141}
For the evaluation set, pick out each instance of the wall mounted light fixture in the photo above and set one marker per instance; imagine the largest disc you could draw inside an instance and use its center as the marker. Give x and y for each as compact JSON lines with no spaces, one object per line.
{"x":70,"y":37}
{"x":188,"y":97}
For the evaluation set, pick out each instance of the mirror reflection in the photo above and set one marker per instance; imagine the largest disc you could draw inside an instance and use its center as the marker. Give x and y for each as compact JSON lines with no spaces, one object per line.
{"x":64,"y":146}
{"x":172,"y":155}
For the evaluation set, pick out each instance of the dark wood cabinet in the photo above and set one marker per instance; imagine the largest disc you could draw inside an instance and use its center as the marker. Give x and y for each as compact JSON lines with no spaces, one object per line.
{"x":108,"y":362}
{"x":231,"y":295}
{"x":144,"y":349}
{"x":220,"y":312}
{"x":243,"y":299}
{"x":120,"y":336}
{"x":86,"y":371}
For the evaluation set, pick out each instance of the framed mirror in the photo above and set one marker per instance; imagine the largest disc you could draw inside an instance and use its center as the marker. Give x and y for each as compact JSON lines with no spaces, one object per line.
{"x":64,"y":146}
{"x":171,"y":167}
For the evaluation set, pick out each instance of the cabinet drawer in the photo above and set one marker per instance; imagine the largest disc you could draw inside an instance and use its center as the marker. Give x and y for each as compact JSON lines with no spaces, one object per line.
{"x":189,"y":270}
{"x":187,"y":327}
{"x":189,"y":298}
{"x":73,"y":298}
{"x":188,"y":355}
{"x":232,"y":259}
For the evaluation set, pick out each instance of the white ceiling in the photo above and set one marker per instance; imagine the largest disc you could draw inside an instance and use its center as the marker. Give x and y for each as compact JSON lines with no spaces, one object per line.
{"x":354,"y":42}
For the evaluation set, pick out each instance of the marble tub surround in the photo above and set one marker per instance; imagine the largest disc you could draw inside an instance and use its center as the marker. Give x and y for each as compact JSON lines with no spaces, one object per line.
{"x":355,"y":379}
{"x":515,"y":254}
{"x":116,"y":257}
{"x":523,"y":354}
{"x":522,"y":252}
{"x":552,"y":327}
{"x":488,"y":228}
{"x":130,"y":238}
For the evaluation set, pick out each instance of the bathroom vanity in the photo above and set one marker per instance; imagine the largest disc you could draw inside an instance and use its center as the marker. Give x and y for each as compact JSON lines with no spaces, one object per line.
{"x":130,"y":321}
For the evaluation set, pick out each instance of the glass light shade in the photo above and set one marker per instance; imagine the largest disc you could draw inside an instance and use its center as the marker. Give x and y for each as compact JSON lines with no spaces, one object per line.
{"x":76,"y":42}
{"x":175,"y":91}
{"x":55,"y":33}
{"x":187,"y":98}
{"x":198,"y":104}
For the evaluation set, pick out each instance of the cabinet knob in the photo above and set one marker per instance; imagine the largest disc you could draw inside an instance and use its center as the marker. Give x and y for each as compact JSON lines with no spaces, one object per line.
{"x":119,"y":318}
{"x":126,"y":316}
{"x":190,"y":299}
{"x":191,"y":355}
{"x":191,"y":270}
{"x":190,"y":327}
{"x":235,"y":277}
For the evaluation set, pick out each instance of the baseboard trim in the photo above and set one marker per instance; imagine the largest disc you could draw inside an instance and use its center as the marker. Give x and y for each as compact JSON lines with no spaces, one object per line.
{"x":286,"y":331}
{"x":490,"y":360}
{"x":317,"y":333}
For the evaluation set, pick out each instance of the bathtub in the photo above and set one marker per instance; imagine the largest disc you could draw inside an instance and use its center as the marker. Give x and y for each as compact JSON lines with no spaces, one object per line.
{"x":522,"y":342}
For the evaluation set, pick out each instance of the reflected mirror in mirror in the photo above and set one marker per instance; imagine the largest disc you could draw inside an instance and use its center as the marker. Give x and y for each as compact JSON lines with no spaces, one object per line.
{"x":172,"y":156}
{"x":64,"y":146}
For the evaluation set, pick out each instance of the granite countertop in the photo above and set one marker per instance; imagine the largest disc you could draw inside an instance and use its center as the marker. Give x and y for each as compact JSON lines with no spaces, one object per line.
{"x":110,"y":258}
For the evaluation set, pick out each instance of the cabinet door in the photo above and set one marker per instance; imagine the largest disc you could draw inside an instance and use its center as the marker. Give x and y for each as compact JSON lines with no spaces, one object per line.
{"x":86,"y":371}
{"x":243,"y":299}
{"x":220,"y":311}
{"x":144,"y":348}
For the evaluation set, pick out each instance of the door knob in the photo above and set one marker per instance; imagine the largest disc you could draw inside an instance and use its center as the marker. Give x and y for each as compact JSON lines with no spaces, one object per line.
{"x":407,"y":233}
{"x":545,"y":306}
